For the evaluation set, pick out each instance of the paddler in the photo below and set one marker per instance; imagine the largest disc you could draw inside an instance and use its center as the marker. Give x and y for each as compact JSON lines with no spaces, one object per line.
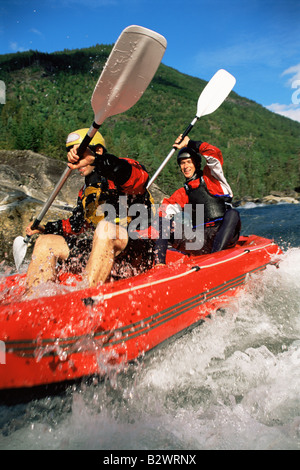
{"x":220,"y":224}
{"x":105,"y":249}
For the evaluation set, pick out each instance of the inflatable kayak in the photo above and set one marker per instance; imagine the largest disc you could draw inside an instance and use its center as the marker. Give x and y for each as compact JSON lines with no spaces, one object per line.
{"x":80,"y":333}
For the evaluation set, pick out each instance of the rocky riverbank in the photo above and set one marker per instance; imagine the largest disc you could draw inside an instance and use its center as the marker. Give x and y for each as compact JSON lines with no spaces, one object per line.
{"x":276,"y":197}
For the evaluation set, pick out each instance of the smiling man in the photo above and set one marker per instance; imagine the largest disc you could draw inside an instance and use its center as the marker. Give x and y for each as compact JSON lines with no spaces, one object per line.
{"x":207,"y":188}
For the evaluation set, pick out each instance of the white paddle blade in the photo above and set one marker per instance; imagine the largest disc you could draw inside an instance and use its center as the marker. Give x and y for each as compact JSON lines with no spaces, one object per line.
{"x":128,"y":71}
{"x":19,"y":251}
{"x":215,"y":92}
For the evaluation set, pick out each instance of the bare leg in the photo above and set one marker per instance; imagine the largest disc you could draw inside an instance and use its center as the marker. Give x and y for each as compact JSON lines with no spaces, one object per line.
{"x":109,"y":241}
{"x":48,"y":249}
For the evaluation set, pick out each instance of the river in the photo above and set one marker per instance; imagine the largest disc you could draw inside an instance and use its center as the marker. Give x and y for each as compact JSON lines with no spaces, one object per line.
{"x":231,"y":383}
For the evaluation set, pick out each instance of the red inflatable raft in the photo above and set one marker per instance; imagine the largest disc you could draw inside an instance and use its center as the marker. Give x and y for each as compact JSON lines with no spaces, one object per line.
{"x":80,"y":333}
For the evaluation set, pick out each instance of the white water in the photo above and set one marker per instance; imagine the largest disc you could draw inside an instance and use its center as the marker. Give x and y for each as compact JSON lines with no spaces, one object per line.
{"x":231,"y":383}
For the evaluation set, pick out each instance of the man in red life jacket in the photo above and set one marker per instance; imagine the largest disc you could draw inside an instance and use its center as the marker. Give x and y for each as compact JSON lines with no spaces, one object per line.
{"x":207,"y":188}
{"x":105,"y":249}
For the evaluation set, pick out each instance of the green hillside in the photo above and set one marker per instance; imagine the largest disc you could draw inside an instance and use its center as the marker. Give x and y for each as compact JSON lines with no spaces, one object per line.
{"x":48,"y":95}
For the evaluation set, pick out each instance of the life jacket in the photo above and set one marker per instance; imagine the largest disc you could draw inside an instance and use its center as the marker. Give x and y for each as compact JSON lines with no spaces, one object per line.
{"x":214,"y":206}
{"x":105,"y":192}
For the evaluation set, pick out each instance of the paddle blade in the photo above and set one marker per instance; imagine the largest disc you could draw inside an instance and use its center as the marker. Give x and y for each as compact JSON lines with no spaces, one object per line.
{"x":128,"y":71}
{"x":215,"y":92}
{"x":19,"y":251}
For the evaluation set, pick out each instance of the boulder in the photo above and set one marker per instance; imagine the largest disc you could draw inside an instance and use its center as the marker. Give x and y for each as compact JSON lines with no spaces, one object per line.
{"x":272,"y":199}
{"x":36,"y":175}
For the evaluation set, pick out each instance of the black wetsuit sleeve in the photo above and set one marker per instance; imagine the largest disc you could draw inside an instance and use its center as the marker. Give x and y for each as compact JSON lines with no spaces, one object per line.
{"x":194,"y":145}
{"x":113,"y":168}
{"x":70,"y":226}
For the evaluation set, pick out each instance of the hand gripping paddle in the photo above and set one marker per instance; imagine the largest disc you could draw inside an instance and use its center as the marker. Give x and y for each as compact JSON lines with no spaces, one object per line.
{"x":127,"y":73}
{"x":212,"y":96}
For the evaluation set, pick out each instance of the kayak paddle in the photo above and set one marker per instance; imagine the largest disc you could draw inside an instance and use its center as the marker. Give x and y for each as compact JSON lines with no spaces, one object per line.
{"x":212,"y":96}
{"x":127,"y":73}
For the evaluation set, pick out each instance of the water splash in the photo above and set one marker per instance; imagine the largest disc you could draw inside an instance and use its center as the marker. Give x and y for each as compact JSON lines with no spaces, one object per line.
{"x":231,"y":383}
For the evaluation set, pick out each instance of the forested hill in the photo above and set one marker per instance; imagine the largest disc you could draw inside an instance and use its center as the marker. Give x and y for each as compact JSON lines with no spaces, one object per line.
{"x":48,"y":96}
